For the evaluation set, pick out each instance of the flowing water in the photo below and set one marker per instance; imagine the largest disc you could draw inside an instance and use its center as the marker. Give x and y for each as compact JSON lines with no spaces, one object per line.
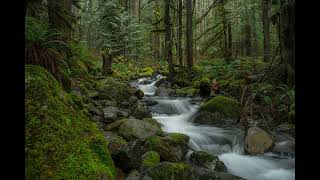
{"x":175,"y":115}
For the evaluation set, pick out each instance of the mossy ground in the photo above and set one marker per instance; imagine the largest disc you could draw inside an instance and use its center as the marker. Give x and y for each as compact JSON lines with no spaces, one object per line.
{"x":60,"y":141}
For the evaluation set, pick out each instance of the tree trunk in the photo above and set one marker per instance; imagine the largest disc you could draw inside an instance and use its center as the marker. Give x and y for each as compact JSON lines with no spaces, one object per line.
{"x":287,"y":39}
{"x":180,"y":55}
{"x":168,"y":38}
{"x":107,"y":64}
{"x":247,"y":39}
{"x":230,"y":40}
{"x":266,"y":35}
{"x":189,"y":34}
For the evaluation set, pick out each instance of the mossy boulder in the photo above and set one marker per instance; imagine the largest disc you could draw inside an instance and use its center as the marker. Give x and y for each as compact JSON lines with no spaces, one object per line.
{"x":60,"y":141}
{"x":208,"y":161}
{"x":113,"y":89}
{"x":150,"y":159}
{"x":131,"y":129}
{"x":169,"y":170}
{"x":225,"y":107}
{"x":169,"y":148}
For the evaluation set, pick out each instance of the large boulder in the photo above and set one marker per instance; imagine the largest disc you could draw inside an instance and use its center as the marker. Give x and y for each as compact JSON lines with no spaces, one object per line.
{"x":128,"y":156}
{"x":173,"y":149}
{"x":131,"y":129}
{"x":218,"y":108}
{"x":169,"y":170}
{"x":150,"y":159}
{"x":163,"y":90}
{"x":111,"y":114}
{"x":141,"y":111}
{"x":257,"y":141}
{"x":208,"y":161}
{"x":112,"y":89}
{"x":61,"y":142}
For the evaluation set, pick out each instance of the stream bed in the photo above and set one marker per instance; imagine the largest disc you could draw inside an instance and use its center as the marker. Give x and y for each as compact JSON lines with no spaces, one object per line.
{"x":175,"y":114}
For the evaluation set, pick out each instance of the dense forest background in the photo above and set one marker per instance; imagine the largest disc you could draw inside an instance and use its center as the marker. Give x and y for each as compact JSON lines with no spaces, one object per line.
{"x":244,"y":49}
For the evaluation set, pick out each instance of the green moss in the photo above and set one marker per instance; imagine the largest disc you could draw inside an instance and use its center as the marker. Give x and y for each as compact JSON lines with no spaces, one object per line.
{"x":178,"y":138}
{"x":168,"y":170}
{"x":151,"y":158}
{"x":187,"y":91}
{"x":145,"y":72}
{"x":114,"y":89}
{"x":60,"y":141}
{"x":226,"y":106}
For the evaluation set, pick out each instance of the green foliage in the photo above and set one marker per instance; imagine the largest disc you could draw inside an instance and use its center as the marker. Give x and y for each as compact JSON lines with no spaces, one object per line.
{"x":60,"y":141}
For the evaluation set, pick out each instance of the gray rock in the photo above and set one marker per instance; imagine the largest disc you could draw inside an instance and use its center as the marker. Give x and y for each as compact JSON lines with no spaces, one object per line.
{"x":131,"y":129}
{"x":110,"y":114}
{"x":208,"y":161}
{"x":128,"y":156}
{"x":141,"y":111}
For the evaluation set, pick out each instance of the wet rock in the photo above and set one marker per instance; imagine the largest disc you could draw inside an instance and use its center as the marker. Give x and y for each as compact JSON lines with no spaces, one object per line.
{"x":149,"y":101}
{"x":94,"y":111}
{"x":208,"y":161}
{"x":131,"y":129}
{"x":286,"y":128}
{"x":139,"y":94}
{"x":128,"y":156}
{"x":257,"y":141}
{"x":163,"y":90}
{"x":110,"y":114}
{"x":115,"y":141}
{"x":114,"y":126}
{"x":169,"y":170}
{"x":160,"y":81}
{"x":141,"y":111}
{"x":133,"y":175}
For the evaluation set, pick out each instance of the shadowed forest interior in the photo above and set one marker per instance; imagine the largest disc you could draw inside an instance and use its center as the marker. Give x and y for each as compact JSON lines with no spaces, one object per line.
{"x":160,"y":89}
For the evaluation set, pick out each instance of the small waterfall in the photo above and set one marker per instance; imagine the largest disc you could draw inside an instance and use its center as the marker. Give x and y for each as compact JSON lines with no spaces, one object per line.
{"x":175,"y":115}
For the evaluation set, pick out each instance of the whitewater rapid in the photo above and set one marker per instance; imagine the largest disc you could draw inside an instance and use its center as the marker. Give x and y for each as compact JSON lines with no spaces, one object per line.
{"x":175,"y":116}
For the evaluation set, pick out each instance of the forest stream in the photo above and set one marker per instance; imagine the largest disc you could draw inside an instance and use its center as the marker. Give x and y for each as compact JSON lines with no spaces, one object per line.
{"x":175,"y":114}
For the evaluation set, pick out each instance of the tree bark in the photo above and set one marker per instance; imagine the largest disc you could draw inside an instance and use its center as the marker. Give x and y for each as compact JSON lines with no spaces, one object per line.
{"x":287,"y":39}
{"x":168,"y":38}
{"x":189,"y":34}
{"x":266,"y":34}
{"x":180,"y":55}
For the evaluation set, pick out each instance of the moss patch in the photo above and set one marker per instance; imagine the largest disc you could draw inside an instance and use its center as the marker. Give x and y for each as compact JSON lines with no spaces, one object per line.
{"x":168,"y":170}
{"x":150,"y":158}
{"x":60,"y":141}
{"x":226,"y":106}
